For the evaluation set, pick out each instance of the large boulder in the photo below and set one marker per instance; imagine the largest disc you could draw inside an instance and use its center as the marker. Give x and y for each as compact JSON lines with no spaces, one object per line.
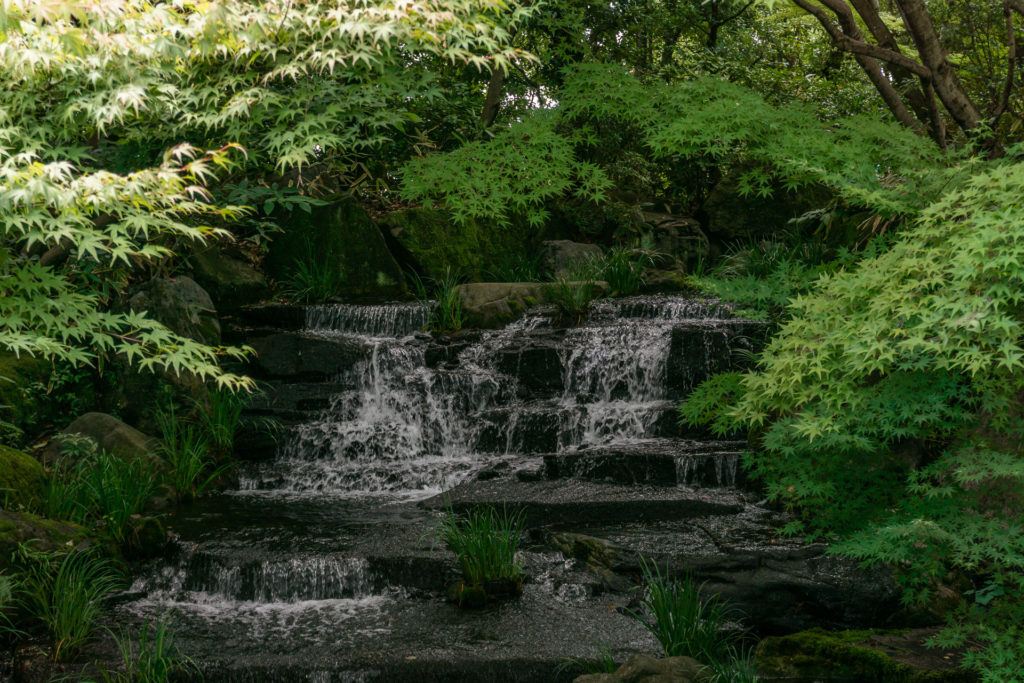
{"x":45,"y":535}
{"x":490,"y":305}
{"x":848,"y":656}
{"x":22,"y":480}
{"x":339,"y":235}
{"x":677,"y":239}
{"x":109,"y":433}
{"x":561,"y":258}
{"x":646,"y":669}
{"x":231,"y":281}
{"x":180,"y":304}
{"x":428,"y":241}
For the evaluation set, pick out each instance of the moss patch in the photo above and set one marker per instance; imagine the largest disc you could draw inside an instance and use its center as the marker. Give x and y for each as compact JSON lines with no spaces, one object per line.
{"x":19,"y":405}
{"x":46,"y":535}
{"x":869,"y":656}
{"x":436,"y":245}
{"x":22,"y":480}
{"x":340,"y":235}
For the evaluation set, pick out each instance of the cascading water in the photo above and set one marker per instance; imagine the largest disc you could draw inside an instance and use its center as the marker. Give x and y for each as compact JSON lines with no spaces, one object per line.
{"x":318,"y":550}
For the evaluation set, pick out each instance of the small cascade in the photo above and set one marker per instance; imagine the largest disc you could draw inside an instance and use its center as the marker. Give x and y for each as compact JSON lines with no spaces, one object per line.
{"x":715,"y":470}
{"x":391,"y":320}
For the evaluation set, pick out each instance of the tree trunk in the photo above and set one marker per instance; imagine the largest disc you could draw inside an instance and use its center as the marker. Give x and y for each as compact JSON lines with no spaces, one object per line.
{"x":492,"y":101}
{"x":933,"y":55}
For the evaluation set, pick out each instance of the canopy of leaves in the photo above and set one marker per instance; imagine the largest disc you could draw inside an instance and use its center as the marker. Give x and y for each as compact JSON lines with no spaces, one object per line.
{"x":864,"y":161}
{"x":94,"y":93}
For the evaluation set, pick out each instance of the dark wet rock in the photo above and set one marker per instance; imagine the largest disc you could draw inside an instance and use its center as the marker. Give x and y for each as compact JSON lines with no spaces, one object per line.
{"x":180,"y":304}
{"x":537,"y":367}
{"x":340,"y":235}
{"x":668,"y":462}
{"x":560,"y":258}
{"x":302,"y":356}
{"x":780,"y":585}
{"x":529,"y":429}
{"x":147,"y":537}
{"x":281,"y":317}
{"x":678,"y":237}
{"x":700,"y":349}
{"x":41,"y":534}
{"x":489,"y":305}
{"x":855,"y":656}
{"x":565,"y":502}
{"x":110,"y":434}
{"x":665,"y":281}
{"x":603,"y":559}
{"x":646,"y":669}
{"x":231,"y":281}
{"x":22,"y":480}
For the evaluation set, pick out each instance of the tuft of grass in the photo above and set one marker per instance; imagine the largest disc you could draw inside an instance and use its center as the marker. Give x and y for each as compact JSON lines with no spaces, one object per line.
{"x":89,"y":485}
{"x":8,"y":602}
{"x":623,"y":269}
{"x":684,"y":623}
{"x":571,"y":298}
{"x":447,"y":313}
{"x":149,"y":657}
{"x":192,"y":469}
{"x":219,"y":417}
{"x":515,"y":267}
{"x":485,"y":542}
{"x":65,"y":593}
{"x":313,"y":280}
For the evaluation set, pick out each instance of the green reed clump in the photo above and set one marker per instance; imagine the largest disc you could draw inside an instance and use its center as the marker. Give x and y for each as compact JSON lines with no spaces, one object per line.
{"x":485,"y":542}
{"x":623,"y":269}
{"x":65,"y":593}
{"x":313,"y":279}
{"x":219,"y":416}
{"x":687,"y":624}
{"x":90,"y":485}
{"x":192,"y":469}
{"x":148,"y":656}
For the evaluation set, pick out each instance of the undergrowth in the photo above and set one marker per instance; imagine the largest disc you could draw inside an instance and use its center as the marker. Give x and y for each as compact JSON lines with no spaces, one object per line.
{"x":485,"y":541}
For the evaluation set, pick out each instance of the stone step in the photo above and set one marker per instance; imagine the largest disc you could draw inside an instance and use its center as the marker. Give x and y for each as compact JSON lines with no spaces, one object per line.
{"x":393,"y":638}
{"x":778,"y":584}
{"x":306,"y":356}
{"x":667,"y":462}
{"x":566,"y":502}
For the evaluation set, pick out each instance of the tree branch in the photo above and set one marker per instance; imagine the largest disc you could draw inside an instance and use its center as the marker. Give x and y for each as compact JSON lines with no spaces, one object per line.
{"x":1011,"y":61}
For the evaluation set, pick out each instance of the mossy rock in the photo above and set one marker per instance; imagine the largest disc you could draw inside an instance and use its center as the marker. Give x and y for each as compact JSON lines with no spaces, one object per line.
{"x":22,"y":480}
{"x":46,"y":535}
{"x":858,"y":656}
{"x":429,"y":241}
{"x":341,"y":235}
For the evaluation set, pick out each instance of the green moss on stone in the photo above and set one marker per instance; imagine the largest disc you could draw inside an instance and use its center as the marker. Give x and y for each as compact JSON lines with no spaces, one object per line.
{"x":438,"y":245}
{"x":339,"y":235}
{"x":818,"y":655}
{"x":46,"y":535}
{"x":22,"y":480}
{"x":19,"y":405}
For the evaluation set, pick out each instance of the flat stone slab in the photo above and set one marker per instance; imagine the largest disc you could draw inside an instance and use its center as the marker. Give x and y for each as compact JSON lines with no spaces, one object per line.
{"x":568,"y":502}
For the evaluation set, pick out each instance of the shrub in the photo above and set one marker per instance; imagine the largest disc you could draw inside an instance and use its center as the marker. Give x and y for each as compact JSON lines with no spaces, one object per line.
{"x":220,"y":416}
{"x":446,"y":315}
{"x":192,"y":469}
{"x":683,"y":622}
{"x":313,"y":280}
{"x":148,"y":657}
{"x":65,"y":593}
{"x":89,"y":485}
{"x":485,"y":543}
{"x":623,"y":269}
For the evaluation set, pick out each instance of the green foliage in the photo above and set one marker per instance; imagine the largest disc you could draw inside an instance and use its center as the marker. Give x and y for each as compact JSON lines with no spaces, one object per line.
{"x":446,"y":311}
{"x":707,"y":123}
{"x":149,"y":656}
{"x":314,"y":280}
{"x":97,"y":99}
{"x":511,"y":174}
{"x":888,"y":406}
{"x":65,"y":593}
{"x":192,"y":469}
{"x":603,"y":663}
{"x":8,"y":601}
{"x":684,"y":623}
{"x":89,"y":485}
{"x":485,"y":542}
{"x":623,"y":269}
{"x":220,"y":416}
{"x":571,"y":296}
